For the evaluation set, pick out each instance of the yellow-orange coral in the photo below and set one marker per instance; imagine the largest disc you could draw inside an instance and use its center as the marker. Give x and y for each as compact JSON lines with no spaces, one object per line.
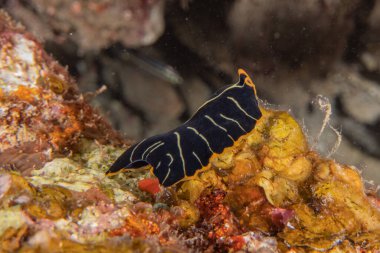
{"x":50,"y":202}
{"x":190,"y":214}
{"x":14,"y":186}
{"x":273,"y":178}
{"x":11,"y":239}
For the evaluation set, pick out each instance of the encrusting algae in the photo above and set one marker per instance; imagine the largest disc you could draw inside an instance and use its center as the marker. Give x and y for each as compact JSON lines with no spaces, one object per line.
{"x":42,"y":114}
{"x":268,"y":193}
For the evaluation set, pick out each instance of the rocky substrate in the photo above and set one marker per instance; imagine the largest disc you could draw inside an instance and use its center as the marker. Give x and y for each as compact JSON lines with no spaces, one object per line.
{"x":270,"y":192}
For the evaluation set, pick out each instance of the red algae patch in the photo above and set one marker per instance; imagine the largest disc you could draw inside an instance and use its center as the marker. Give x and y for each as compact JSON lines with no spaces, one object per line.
{"x":150,"y":185}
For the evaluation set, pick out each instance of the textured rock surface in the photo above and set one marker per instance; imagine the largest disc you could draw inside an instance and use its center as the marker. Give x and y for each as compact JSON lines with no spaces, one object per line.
{"x":42,"y":113}
{"x":92,"y":25}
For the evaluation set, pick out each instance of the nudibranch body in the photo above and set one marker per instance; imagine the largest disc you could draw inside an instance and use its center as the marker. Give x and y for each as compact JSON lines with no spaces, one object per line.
{"x":181,"y":152}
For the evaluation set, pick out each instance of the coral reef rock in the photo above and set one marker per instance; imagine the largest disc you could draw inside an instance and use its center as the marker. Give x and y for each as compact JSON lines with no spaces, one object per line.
{"x":41,"y":112}
{"x":92,"y":25}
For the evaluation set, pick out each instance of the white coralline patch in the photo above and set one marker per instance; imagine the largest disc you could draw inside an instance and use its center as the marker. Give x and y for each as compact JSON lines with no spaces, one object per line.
{"x":257,"y":243}
{"x":94,"y":223}
{"x":5,"y":184}
{"x":11,"y":217}
{"x":19,"y":63}
{"x":77,"y":177}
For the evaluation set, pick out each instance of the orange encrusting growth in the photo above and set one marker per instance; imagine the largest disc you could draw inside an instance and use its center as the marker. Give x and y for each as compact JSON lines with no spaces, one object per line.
{"x":136,"y":226}
{"x":27,"y":94}
{"x":46,"y":116}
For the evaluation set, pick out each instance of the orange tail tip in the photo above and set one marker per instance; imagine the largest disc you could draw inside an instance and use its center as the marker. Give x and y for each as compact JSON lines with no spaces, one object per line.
{"x":247,"y":80}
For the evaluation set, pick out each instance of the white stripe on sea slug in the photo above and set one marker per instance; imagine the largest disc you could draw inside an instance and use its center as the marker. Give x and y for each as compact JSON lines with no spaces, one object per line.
{"x":224,"y":129}
{"x":203,"y":138}
{"x":230,"y":119}
{"x":240,"y":108}
{"x":180,"y":152}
